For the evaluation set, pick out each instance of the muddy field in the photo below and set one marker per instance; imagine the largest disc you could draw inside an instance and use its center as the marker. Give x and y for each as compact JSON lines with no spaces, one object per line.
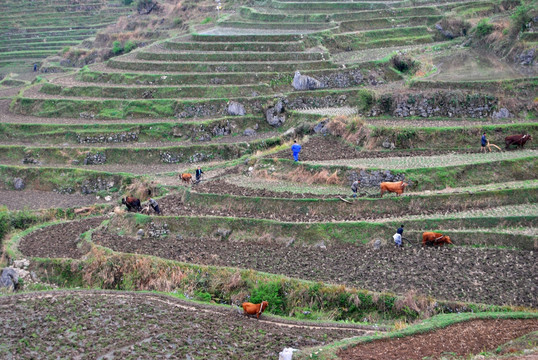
{"x":111,"y":325}
{"x":462,"y":339}
{"x":57,"y":241}
{"x":492,"y":276}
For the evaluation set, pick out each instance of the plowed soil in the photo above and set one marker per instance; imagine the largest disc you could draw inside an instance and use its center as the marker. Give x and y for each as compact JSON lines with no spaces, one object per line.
{"x":57,"y":241}
{"x":325,"y":148}
{"x":492,"y":276}
{"x":33,"y":199}
{"x":172,"y":205}
{"x":462,"y":339}
{"x":110,"y":325}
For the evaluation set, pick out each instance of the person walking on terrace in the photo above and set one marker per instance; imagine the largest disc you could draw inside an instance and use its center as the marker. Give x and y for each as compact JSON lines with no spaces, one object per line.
{"x":199,"y":173}
{"x":296,"y":149}
{"x":483,"y":142}
{"x":355,"y":187}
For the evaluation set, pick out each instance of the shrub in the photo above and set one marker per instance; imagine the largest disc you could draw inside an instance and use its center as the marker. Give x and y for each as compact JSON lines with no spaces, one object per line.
{"x":117,"y":48}
{"x":483,"y":28}
{"x":519,"y":19}
{"x":402,"y":63}
{"x":269,"y":292}
{"x":178,"y":22}
{"x":207,"y":20}
{"x":129,"y":45}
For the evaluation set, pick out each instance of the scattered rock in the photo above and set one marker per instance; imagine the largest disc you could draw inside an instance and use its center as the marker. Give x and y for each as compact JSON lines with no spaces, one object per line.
{"x":321,"y":127}
{"x":110,"y":138}
{"x":108,"y":198}
{"x":223,"y":233}
{"x":249,"y":132}
{"x":527,"y":57}
{"x":289,"y":132}
{"x":95,"y":159}
{"x":275,"y":115}
{"x":21,"y":264}
{"x":140,"y":233}
{"x":286,"y":354}
{"x":503,"y":113}
{"x":18,"y":184}
{"x":9,"y":279}
{"x":377,"y":244}
{"x":303,"y":82}
{"x":236,"y":109}
{"x":387,"y":144}
{"x":446,"y":33}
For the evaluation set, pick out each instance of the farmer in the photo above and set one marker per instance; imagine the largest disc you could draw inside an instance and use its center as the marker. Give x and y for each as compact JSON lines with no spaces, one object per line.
{"x":35,"y":67}
{"x":199,"y":173}
{"x":355,"y":187}
{"x":154,"y":205}
{"x":296,"y":149}
{"x":398,"y":236}
{"x":483,"y":142}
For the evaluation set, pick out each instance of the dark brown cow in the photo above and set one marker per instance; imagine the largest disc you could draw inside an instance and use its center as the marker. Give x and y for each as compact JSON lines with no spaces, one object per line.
{"x":254,"y":309}
{"x":132,"y":203}
{"x":519,"y":140}
{"x":435,"y":239}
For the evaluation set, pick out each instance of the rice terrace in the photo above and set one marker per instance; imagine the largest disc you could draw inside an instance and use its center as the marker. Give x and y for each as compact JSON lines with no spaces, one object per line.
{"x":269,"y":179}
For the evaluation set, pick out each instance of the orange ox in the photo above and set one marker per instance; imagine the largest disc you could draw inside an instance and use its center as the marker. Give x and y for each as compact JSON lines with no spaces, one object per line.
{"x":432,"y":239}
{"x":397,"y":187}
{"x":186,"y":177}
{"x":254,"y":309}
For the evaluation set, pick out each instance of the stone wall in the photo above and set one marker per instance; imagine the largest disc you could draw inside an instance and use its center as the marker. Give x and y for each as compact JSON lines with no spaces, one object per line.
{"x":440,"y":103}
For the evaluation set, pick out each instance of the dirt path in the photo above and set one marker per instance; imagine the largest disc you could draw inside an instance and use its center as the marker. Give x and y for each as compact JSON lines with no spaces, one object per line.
{"x":119,"y":325}
{"x":461,"y":339}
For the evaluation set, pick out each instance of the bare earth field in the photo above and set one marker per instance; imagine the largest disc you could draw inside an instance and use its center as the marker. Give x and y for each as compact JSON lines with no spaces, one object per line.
{"x":493,"y":276}
{"x":462,"y":339}
{"x":35,"y":200}
{"x":109,"y":325}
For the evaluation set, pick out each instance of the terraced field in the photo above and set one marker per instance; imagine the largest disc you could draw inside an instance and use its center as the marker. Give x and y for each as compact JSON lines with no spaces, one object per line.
{"x":388,"y":97}
{"x":33,"y":30}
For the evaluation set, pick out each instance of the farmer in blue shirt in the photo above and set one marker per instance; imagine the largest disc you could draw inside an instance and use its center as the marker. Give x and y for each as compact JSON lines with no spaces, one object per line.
{"x":398,"y":236}
{"x":484,"y":142}
{"x":296,"y":149}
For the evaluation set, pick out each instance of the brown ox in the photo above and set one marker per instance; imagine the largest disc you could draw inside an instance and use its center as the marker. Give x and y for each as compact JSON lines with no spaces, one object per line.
{"x":431,"y":239}
{"x":254,"y":309}
{"x":186,"y":177}
{"x":132,"y":203}
{"x":397,"y":187}
{"x":518,"y":140}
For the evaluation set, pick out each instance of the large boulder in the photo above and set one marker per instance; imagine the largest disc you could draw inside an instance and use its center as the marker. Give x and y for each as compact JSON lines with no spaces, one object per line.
{"x":303,"y":82}
{"x":275,"y":115}
{"x":18,"y":184}
{"x":236,"y":109}
{"x":9,"y":278}
{"x":527,"y":57}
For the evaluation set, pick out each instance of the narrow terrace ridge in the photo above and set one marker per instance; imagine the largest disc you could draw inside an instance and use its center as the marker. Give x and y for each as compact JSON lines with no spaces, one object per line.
{"x":417,"y":162}
{"x":263,"y":46}
{"x":218,"y":67}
